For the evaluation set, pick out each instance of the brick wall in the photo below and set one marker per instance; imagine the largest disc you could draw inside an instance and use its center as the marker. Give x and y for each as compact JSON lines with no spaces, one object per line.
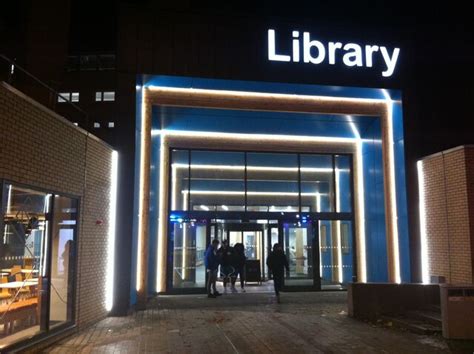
{"x":41,"y":149}
{"x":449,"y":205}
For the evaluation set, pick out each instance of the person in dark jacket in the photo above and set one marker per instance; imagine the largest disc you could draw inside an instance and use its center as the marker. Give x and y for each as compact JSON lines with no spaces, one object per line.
{"x":239,"y":266}
{"x":277,"y":263}
{"x":211,"y":262}
{"x":226,"y":255}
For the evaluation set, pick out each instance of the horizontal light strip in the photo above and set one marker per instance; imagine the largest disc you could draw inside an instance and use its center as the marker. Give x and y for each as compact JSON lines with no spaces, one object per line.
{"x":257,"y":137}
{"x":288,"y":194}
{"x":254,"y":94}
{"x":256,"y":168}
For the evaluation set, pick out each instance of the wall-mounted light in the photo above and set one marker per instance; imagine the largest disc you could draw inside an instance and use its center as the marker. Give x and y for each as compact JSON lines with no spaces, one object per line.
{"x":109,"y":288}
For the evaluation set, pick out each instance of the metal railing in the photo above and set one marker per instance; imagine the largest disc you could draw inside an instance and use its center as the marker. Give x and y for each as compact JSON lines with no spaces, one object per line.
{"x":13,"y":66}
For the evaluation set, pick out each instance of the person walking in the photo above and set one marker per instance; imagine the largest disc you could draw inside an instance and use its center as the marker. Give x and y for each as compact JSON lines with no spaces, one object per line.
{"x":211,"y":262}
{"x":277,"y":263}
{"x":239,"y":266}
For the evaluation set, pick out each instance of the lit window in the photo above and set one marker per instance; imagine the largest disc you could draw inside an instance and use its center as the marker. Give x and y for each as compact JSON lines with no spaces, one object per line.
{"x":66,"y":95}
{"x":98,"y":96}
{"x":109,"y":96}
{"x":111,"y":125}
{"x":75,"y":97}
{"x":96,"y":125}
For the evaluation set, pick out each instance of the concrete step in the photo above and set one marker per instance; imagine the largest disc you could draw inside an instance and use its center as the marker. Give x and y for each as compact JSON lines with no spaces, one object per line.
{"x":430,"y":317}
{"x":412,"y":325}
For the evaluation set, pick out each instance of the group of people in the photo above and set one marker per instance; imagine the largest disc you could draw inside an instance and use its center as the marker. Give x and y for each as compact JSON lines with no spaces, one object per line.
{"x":232,"y":263}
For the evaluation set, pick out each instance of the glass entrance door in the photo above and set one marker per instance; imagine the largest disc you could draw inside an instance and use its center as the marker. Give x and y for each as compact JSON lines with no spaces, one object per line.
{"x":298,"y":243}
{"x":335,"y":253}
{"x":188,"y":245}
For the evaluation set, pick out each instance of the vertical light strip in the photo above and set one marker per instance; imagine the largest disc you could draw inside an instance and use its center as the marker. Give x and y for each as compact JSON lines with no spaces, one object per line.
{"x":361,"y":219}
{"x":161,"y":220}
{"x":362,"y":261}
{"x":141,"y":192}
{"x":109,"y":289}
{"x":393,"y":194}
{"x":318,"y":209}
{"x":9,"y":203}
{"x":425,"y":271}
{"x":45,"y":235}
{"x":338,"y":226}
{"x":173,"y":187}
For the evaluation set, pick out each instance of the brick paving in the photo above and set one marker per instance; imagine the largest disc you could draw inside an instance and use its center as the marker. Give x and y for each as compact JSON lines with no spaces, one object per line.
{"x":246,"y":323}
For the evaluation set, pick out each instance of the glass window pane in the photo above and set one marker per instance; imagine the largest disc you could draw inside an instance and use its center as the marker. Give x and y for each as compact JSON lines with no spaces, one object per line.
{"x":98,"y":96}
{"x":23,"y":262}
{"x":109,"y":96}
{"x":317,"y":183}
{"x":297,"y":243}
{"x":179,"y":179}
{"x":66,"y":95}
{"x":217,"y":180}
{"x":343,"y":183}
{"x":189,"y":245}
{"x":62,"y":269}
{"x":335,"y":253}
{"x":272,"y":181}
{"x":75,"y":97}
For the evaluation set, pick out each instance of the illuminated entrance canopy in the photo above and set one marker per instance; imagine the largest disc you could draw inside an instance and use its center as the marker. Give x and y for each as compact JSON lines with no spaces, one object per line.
{"x":316,"y":52}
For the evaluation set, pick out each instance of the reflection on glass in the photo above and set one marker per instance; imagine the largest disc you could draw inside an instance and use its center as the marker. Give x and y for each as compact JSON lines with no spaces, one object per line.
{"x":63,"y":231}
{"x":27,"y":293}
{"x":179,"y":179}
{"x":298,"y":247}
{"x":272,"y":180}
{"x":335,"y":253}
{"x":217,"y":179}
{"x":343,"y":183}
{"x":22,"y":263}
{"x":317,"y":182}
{"x":189,"y":246}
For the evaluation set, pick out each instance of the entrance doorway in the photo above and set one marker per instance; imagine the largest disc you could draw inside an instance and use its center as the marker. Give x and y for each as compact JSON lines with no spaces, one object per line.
{"x":319,"y":252}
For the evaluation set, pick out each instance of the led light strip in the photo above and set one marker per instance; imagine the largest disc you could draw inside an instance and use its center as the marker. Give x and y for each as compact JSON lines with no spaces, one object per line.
{"x":109,"y":292}
{"x":255,"y":168}
{"x":254,"y":94}
{"x":288,"y":194}
{"x":425,"y":266}
{"x":338,"y":225}
{"x":392,"y":181}
{"x":141,"y":193}
{"x":268,"y":137}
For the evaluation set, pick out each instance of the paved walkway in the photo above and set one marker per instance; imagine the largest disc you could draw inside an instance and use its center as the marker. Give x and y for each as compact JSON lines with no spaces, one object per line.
{"x":246,"y":323}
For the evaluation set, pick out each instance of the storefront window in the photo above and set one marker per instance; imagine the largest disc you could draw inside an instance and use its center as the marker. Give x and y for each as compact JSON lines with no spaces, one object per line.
{"x":31,"y":287}
{"x":260,"y":182}
{"x":62,"y":265}
{"x":317,"y":176}
{"x":217,"y":180}
{"x":272,"y":180}
{"x":343,"y":183}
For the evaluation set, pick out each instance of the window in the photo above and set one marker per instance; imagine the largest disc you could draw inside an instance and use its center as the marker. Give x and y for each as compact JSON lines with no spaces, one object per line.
{"x":111,"y":125}
{"x":36,"y":261}
{"x":96,"y":125}
{"x":260,"y":182}
{"x":105,"y":96}
{"x":68,"y":96}
{"x":345,"y":242}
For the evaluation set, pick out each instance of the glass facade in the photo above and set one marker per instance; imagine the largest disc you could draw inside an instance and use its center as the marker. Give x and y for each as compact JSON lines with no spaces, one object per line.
{"x":293,"y":192}
{"x":37,"y":262}
{"x":260,"y":182}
